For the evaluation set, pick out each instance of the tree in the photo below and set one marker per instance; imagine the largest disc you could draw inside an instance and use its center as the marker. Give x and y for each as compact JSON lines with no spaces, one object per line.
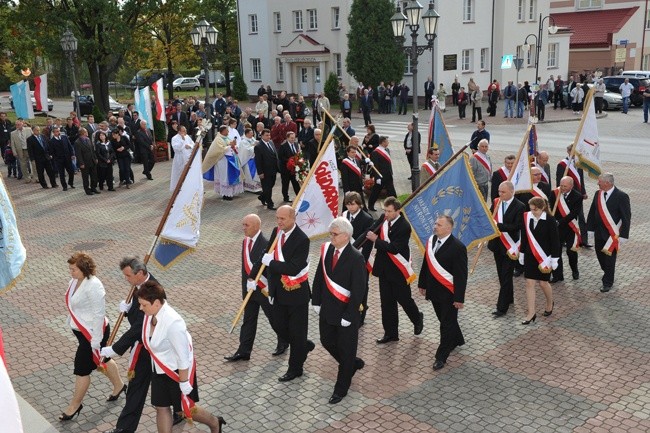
{"x":332,"y":87}
{"x":239,"y":88}
{"x":223,"y":16}
{"x":373,"y":55}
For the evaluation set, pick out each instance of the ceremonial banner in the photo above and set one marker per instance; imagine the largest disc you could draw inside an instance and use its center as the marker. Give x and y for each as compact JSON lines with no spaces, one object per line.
{"x":9,"y":412}
{"x":521,"y":176}
{"x":143,"y":105}
{"x":587,"y":148}
{"x":439,"y":137}
{"x":22,"y":100}
{"x":40,"y":92}
{"x":452,"y":192}
{"x":318,"y":205}
{"x":532,"y":141}
{"x":157,"y":88}
{"x":12,"y":251}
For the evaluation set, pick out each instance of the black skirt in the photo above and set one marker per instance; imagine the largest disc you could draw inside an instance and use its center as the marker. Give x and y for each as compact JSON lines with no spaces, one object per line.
{"x":166,"y":392}
{"x":531,"y":269}
{"x":83,"y":359}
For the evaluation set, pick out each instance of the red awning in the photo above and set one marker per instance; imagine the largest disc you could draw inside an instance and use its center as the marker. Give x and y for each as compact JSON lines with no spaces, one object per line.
{"x":594,"y":29}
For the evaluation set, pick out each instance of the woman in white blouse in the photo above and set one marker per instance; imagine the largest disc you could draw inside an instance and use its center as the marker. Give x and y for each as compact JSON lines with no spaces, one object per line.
{"x":173,"y":382}
{"x":87,"y":318}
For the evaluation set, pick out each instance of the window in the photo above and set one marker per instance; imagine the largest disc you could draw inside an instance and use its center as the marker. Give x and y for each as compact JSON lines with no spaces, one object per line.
{"x":645,"y":62}
{"x":252,"y":24}
{"x":279,"y":66}
{"x":521,"y":11}
{"x":466,"y":60}
{"x":552,"y":61}
{"x":647,"y":21}
{"x":277,"y":22}
{"x":468,"y":10}
{"x":532,"y":10}
{"x":529,"y":56}
{"x":407,"y":66}
{"x":485,"y":59}
{"x":336,"y":18}
{"x":339,"y":65}
{"x":313,"y":19}
{"x":256,"y":69}
{"x":590,"y":4}
{"x":297,"y":20}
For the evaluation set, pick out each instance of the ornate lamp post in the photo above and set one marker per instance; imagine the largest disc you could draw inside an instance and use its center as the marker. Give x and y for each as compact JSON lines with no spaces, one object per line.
{"x":552,"y":29}
{"x":69,"y":46}
{"x":398,"y":21}
{"x":204,"y":39}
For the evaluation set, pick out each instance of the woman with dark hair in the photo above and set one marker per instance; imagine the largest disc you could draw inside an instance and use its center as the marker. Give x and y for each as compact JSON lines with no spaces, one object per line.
{"x":539,"y":253}
{"x":122,"y":148}
{"x":371,"y":139}
{"x":173,"y":382}
{"x":105,"y":160}
{"x":85,"y":302}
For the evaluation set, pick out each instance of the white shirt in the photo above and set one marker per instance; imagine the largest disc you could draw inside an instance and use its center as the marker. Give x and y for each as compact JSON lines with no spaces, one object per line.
{"x":170,"y":342}
{"x":609,"y":193}
{"x":626,"y":89}
{"x":440,"y":242}
{"x":89,"y":307}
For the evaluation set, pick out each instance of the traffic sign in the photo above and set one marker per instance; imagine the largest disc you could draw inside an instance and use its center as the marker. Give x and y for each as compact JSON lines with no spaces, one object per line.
{"x":506,"y":61}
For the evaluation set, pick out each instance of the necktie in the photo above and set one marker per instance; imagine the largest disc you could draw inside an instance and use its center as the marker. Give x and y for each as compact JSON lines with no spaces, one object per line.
{"x":390,"y":225}
{"x":566,"y":194}
{"x":282,"y":239}
{"x":250,"y":245}
{"x":605,"y":196}
{"x":387,"y":150}
{"x":438,"y":243}
{"x":335,"y":259}
{"x":533,"y":223}
{"x":351,"y":219}
{"x":503,"y":208}
{"x":270,"y":147}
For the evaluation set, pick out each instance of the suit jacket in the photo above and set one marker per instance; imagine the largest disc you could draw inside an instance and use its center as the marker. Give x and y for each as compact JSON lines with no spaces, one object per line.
{"x":286,"y":152}
{"x":91,"y":128}
{"x":384,"y":167}
{"x":266,"y":160}
{"x":350,"y":131}
{"x":574,"y":202}
{"x":497,"y":178}
{"x":360,"y":226}
{"x":135,"y":316}
{"x":85,"y":152}
{"x":61,"y":149}
{"x":512,"y":224}
{"x":546,"y":189}
{"x":16,"y":142}
{"x":559,"y":172}
{"x":104,"y":154}
{"x":366,"y":103}
{"x":452,"y":255}
{"x":350,"y":274}
{"x":181,"y":118}
{"x":546,"y":235}
{"x":399,"y":235}
{"x":428,"y":87}
{"x":259,"y":248}
{"x":619,"y":208}
{"x":143,"y":139}
{"x":36,"y":151}
{"x":350,"y":180}
{"x":419,"y":141}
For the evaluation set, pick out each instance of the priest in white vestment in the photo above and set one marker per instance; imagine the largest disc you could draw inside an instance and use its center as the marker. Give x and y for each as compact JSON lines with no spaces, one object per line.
{"x":246,"y":149}
{"x":182,"y":145}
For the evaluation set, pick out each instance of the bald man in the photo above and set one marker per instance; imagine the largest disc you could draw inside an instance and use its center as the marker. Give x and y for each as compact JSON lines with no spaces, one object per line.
{"x":253,"y":247}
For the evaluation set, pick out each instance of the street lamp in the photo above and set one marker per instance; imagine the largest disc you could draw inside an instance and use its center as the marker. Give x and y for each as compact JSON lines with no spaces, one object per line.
{"x":552,"y":29}
{"x":204,"y":35}
{"x":398,"y":21}
{"x":69,"y":45}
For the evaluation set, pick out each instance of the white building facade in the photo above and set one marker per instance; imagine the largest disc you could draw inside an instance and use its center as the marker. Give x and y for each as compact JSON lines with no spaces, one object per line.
{"x":293,"y":45}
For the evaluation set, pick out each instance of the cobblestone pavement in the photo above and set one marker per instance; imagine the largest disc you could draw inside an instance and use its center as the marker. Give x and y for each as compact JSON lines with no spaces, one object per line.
{"x":584,"y":369}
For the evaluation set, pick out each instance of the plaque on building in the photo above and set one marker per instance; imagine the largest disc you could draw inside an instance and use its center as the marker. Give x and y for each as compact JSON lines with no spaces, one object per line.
{"x":449,"y":62}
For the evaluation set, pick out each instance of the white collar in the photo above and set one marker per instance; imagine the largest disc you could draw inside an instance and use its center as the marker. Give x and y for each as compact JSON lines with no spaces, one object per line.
{"x":443,"y":240}
{"x":254,"y":238}
{"x":541,"y":217}
{"x":354,"y":215}
{"x":287,"y":234}
{"x":610,"y":191}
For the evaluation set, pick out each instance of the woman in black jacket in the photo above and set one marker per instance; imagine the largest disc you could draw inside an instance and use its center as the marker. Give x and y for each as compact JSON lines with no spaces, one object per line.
{"x":123,"y":148}
{"x":105,"y":160}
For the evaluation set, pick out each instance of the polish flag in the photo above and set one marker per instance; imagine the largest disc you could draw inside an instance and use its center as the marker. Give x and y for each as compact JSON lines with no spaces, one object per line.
{"x":157,"y":88}
{"x":9,"y":412}
{"x":40,"y":92}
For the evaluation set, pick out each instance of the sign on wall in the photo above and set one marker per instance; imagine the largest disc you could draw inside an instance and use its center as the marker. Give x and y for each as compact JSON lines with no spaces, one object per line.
{"x":449,"y":62}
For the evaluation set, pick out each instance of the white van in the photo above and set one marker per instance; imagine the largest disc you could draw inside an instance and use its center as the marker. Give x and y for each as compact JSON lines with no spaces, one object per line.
{"x":636,"y":74}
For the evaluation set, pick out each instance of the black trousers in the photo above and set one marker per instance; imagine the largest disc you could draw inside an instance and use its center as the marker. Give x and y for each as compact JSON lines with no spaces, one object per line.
{"x":286,"y":179}
{"x":427,"y":100}
{"x":450,"y":334}
{"x":315,"y":116}
{"x":124,"y":167}
{"x":572,"y":255}
{"x":376,"y":190}
{"x":366,"y":117}
{"x":541,"y":110}
{"x":249,"y":325}
{"x":607,"y":263}
{"x":402,"y":107}
{"x":136,"y":394}
{"x":505,"y":269}
{"x":89,"y":178}
{"x":147,"y":159}
{"x":558,"y":100}
{"x":45,"y":166}
{"x":392,"y":293}
{"x":476,"y":111}
{"x":461,"y":110}
{"x":268,"y":182}
{"x":341,"y":342}
{"x":105,"y":174}
{"x":63,"y":166}
{"x":291,"y":325}
{"x":364,"y":303}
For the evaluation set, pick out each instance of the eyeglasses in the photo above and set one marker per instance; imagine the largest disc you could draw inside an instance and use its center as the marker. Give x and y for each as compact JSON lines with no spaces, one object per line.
{"x":333,"y":235}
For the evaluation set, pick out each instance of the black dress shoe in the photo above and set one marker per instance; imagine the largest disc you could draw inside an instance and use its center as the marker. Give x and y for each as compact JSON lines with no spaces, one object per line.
{"x":517,"y":272}
{"x":587,"y":246}
{"x":259,"y":197}
{"x":419,"y":325}
{"x":606,"y":288}
{"x":118,"y":430}
{"x":576,"y":275}
{"x":149,"y":177}
{"x":115,"y":397}
{"x":90,"y":193}
{"x":95,"y":191}
{"x":45,"y":187}
{"x":554,"y":280}
{"x":65,"y":188}
{"x":280,"y":349}
{"x":271,"y":207}
{"x":335,"y":398}
{"x":310,"y":346}
{"x":71,"y":186}
{"x":289,"y":376}
{"x":387,"y":339}
{"x":498,"y":313}
{"x":359,"y":364}
{"x":177,"y":419}
{"x":237,"y":356}
{"x":438,"y":365}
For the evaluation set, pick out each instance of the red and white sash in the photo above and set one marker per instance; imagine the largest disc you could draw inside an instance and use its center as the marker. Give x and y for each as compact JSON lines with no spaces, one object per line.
{"x":97,"y":359}
{"x":402,"y":264}
{"x":512,"y":247}
{"x":544,"y":174}
{"x":352,"y":166}
{"x":436,"y":269}
{"x":338,"y":291}
{"x":564,"y":210}
{"x":133,"y":359}
{"x":484,"y":162}
{"x":289,"y":282}
{"x":187,"y":404}
{"x":573,"y":172}
{"x":536,"y":191}
{"x":544,"y":261}
{"x":503,"y":172}
{"x":262,"y":283}
{"x":429,"y":168}
{"x":612,"y":243}
{"x":382,"y":152}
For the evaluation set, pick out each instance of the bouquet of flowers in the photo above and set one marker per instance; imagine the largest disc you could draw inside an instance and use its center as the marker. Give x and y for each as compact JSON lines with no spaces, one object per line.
{"x":299,"y":165}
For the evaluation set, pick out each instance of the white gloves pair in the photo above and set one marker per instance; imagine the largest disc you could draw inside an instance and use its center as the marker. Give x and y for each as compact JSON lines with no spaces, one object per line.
{"x":251,"y":285}
{"x":344,"y":323}
{"x":266,"y":259}
{"x":108,"y":352}
{"x":186,"y":388}
{"x":124,"y":307}
{"x":378,"y":181}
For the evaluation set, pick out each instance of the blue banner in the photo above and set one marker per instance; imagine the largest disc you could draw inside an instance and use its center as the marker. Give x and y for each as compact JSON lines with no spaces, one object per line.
{"x":452,"y":192}
{"x":12,"y":251}
{"x":441,"y":139}
{"x":22,"y":100}
{"x":252,"y":168}
{"x":233,"y":170}
{"x":168,"y":253}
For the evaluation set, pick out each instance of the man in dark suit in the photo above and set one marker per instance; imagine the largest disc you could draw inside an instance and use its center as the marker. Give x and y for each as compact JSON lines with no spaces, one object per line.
{"x":380,"y":158}
{"x":87,"y":162}
{"x":361,"y":222}
{"x":566,"y":215}
{"x":339,"y":286}
{"x":63,"y":155}
{"x":91,"y":126}
{"x":501,"y":175}
{"x":267,"y":165}
{"x":181,"y":116}
{"x":144,"y":142}
{"x":289,"y":288}
{"x":39,"y":152}
{"x":609,"y":203}
{"x":567,"y":167}
{"x":287,"y":151}
{"x":366,"y":107}
{"x":428,"y":93}
{"x":311,"y":146}
{"x":443,"y":280}
{"x":408,"y":144}
{"x":252,"y":251}
{"x":508,"y":212}
{"x":352,"y":173}
{"x":392,"y":267}
{"x":347,"y":127}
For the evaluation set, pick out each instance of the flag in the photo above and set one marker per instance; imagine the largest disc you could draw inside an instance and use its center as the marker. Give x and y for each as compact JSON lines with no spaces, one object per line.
{"x":143,"y":105}
{"x":180,"y":234}
{"x":318,"y":204}
{"x":157,"y":88}
{"x":9,"y":412}
{"x":22,"y":100}
{"x":587,"y":149}
{"x":12,"y":251}
{"x":452,"y":192}
{"x":40,"y":92}
{"x":438,"y":136}
{"x":521,"y":177}
{"x":532,"y":141}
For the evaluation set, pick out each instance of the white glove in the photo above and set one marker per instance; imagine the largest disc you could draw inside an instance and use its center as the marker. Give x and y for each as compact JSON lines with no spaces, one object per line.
{"x":250,"y":285}
{"x":378,"y":181}
{"x":367,"y":161}
{"x":371,"y":164}
{"x":266,"y":259}
{"x":621,"y":241}
{"x":271,"y":300}
{"x":95,"y":345}
{"x":316,"y":308}
{"x":124,"y":307}
{"x":345,"y":323}
{"x":186,"y":388}
{"x":521,"y":258}
{"x":554,"y":262}
{"x":108,"y":352}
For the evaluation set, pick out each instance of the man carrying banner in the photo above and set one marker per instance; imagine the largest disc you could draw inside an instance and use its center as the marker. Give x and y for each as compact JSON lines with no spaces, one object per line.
{"x":501,"y":175}
{"x":361,"y":222}
{"x":567,"y":167}
{"x":339,"y":286}
{"x":569,"y":205}
{"x":351,"y":173}
{"x":609,"y":220}
{"x":443,"y":280}
{"x":481,"y":167}
{"x":252,"y":251}
{"x":431,"y":165}
{"x":381,"y":159}
{"x":508,"y":213}
{"x":392,"y":265}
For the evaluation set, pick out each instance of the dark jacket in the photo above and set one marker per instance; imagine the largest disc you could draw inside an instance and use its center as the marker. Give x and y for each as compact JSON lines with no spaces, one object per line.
{"x":452,"y":256}
{"x":512,"y":224}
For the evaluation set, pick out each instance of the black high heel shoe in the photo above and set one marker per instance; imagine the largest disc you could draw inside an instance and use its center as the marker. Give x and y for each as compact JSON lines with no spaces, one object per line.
{"x":528,"y":322}
{"x":222,"y":422}
{"x":115,"y":397}
{"x":548,"y":313}
{"x":65,"y":417}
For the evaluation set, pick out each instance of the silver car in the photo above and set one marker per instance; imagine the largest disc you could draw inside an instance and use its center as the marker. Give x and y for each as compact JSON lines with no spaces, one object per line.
{"x":186,"y":83}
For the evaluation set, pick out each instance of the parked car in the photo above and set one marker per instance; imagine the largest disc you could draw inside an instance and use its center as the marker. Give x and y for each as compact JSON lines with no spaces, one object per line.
{"x":636,"y":74}
{"x":50,"y":103}
{"x":86,"y":104}
{"x":613,"y":84}
{"x":611,"y":100}
{"x":186,"y":84}
{"x":221,"y":82}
